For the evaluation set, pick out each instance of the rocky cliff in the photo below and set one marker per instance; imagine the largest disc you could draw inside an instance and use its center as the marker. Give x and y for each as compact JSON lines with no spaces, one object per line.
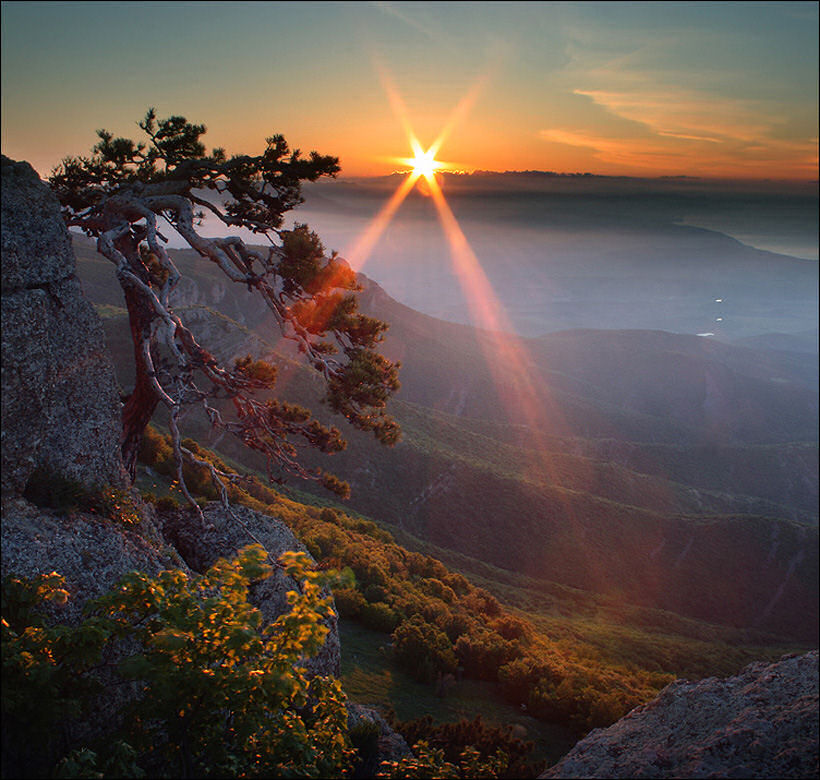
{"x":60,"y":403}
{"x":60,"y":425}
{"x":60,"y":406}
{"x":761,"y":723}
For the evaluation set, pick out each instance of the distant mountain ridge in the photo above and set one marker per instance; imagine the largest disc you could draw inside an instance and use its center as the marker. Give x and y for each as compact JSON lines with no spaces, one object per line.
{"x":655,"y":450}
{"x":565,"y":252}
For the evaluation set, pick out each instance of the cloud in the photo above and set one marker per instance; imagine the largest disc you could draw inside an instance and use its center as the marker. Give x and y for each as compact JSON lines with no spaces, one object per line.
{"x":690,"y":137}
{"x":391,"y":10}
{"x":711,"y":94}
{"x":669,"y":153}
{"x":688,"y":113}
{"x":632,"y":152}
{"x":698,"y":131}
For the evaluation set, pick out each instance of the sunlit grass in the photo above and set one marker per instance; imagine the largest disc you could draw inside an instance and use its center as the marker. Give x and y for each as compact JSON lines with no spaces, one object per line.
{"x":368,"y":677}
{"x":108,"y":311}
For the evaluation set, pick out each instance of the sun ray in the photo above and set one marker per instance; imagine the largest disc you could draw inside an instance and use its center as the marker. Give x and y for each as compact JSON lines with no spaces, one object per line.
{"x":520,"y":392}
{"x":506,"y":354}
{"x":520,"y":388}
{"x":398,"y":107}
{"x":424,"y":161}
{"x":462,"y":108}
{"x":509,"y":360}
{"x":360,"y":252}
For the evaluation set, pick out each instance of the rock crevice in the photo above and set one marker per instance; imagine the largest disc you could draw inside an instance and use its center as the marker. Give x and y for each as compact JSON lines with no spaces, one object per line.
{"x":60,"y":401}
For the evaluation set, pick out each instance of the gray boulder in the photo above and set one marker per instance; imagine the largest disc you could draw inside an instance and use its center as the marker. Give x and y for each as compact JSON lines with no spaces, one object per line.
{"x":202,"y":542}
{"x":761,"y":723}
{"x":60,"y":402}
{"x":377,"y":741}
{"x":90,"y":551}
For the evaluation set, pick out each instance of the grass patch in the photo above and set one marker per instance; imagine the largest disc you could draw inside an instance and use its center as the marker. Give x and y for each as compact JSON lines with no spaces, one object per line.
{"x":107,"y":311}
{"x":370,"y":678}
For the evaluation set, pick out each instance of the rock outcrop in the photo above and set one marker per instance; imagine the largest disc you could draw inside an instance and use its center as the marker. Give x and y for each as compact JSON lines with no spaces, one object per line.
{"x":761,"y":723}
{"x":60,"y":406}
{"x":91,"y":552}
{"x":384,"y":743}
{"x":60,"y":402}
{"x":61,"y":423}
{"x":60,"y":414}
{"x":201,"y":544}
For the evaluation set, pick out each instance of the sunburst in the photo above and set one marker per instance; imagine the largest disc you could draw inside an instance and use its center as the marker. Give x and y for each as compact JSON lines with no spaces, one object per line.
{"x":507,"y":357}
{"x":425,"y":164}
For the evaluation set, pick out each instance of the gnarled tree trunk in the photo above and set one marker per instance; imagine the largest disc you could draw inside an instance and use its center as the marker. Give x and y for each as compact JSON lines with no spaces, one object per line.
{"x":142,"y":402}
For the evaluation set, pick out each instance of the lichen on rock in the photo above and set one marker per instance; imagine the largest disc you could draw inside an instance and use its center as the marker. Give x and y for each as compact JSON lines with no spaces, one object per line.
{"x":60,"y":401}
{"x":761,"y":723}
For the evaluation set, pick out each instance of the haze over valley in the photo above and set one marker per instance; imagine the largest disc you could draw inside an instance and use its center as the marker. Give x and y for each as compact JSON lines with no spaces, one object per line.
{"x":652,"y":436}
{"x":592,"y":252}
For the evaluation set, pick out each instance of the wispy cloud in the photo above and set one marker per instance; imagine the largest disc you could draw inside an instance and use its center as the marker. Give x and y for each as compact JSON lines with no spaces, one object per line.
{"x":687,"y":113}
{"x":632,"y":152}
{"x":689,"y":137}
{"x":391,"y":10}
{"x":698,"y":156}
{"x":698,"y":96}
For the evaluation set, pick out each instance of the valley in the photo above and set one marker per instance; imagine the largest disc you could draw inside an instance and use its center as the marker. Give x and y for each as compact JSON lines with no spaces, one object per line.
{"x":668,"y":471}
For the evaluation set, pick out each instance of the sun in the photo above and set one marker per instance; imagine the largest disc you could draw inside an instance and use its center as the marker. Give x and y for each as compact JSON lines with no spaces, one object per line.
{"x":425,"y":164}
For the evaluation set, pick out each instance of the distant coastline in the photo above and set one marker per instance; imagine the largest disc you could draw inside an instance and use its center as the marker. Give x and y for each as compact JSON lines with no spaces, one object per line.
{"x":801,"y":247}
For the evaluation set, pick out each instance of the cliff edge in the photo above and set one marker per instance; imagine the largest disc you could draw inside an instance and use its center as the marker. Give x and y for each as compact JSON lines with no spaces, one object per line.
{"x":60,"y":402}
{"x":60,"y":432}
{"x":761,"y":723}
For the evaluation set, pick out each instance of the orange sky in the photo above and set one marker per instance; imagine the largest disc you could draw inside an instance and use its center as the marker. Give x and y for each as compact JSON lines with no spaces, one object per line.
{"x":716,"y":90}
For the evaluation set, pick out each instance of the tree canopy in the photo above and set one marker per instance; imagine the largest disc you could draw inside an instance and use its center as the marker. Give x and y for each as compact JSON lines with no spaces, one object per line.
{"x":128,"y":195}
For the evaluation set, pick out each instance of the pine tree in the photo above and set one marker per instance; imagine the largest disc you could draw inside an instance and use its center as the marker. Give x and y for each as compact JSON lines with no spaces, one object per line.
{"x":126,"y":193}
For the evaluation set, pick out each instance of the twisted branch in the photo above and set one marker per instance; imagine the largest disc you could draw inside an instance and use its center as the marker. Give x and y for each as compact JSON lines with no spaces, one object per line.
{"x":117,"y":195}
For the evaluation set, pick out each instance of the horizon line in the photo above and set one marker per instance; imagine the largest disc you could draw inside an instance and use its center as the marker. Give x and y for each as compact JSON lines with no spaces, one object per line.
{"x":584,"y":174}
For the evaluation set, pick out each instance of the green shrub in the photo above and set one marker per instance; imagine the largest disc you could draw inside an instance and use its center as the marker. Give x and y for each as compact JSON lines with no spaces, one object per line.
{"x":167,"y":504}
{"x":482,"y":653}
{"x":156,"y":451}
{"x":423,"y":650}
{"x":485,"y":741}
{"x":349,"y":602}
{"x":428,"y":762}
{"x":364,"y":737}
{"x":46,"y":677}
{"x":457,"y":624}
{"x":329,"y":516}
{"x":511,"y":627}
{"x":220,"y":694}
{"x":379,"y":617}
{"x":374,"y":592}
{"x":50,"y":489}
{"x":438,"y":589}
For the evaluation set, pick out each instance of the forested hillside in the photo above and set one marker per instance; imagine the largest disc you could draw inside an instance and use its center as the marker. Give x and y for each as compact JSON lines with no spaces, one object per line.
{"x":560,"y":656}
{"x":667,"y":471}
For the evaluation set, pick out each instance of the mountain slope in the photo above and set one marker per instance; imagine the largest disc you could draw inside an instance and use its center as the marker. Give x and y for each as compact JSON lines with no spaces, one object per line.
{"x":651,"y":454}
